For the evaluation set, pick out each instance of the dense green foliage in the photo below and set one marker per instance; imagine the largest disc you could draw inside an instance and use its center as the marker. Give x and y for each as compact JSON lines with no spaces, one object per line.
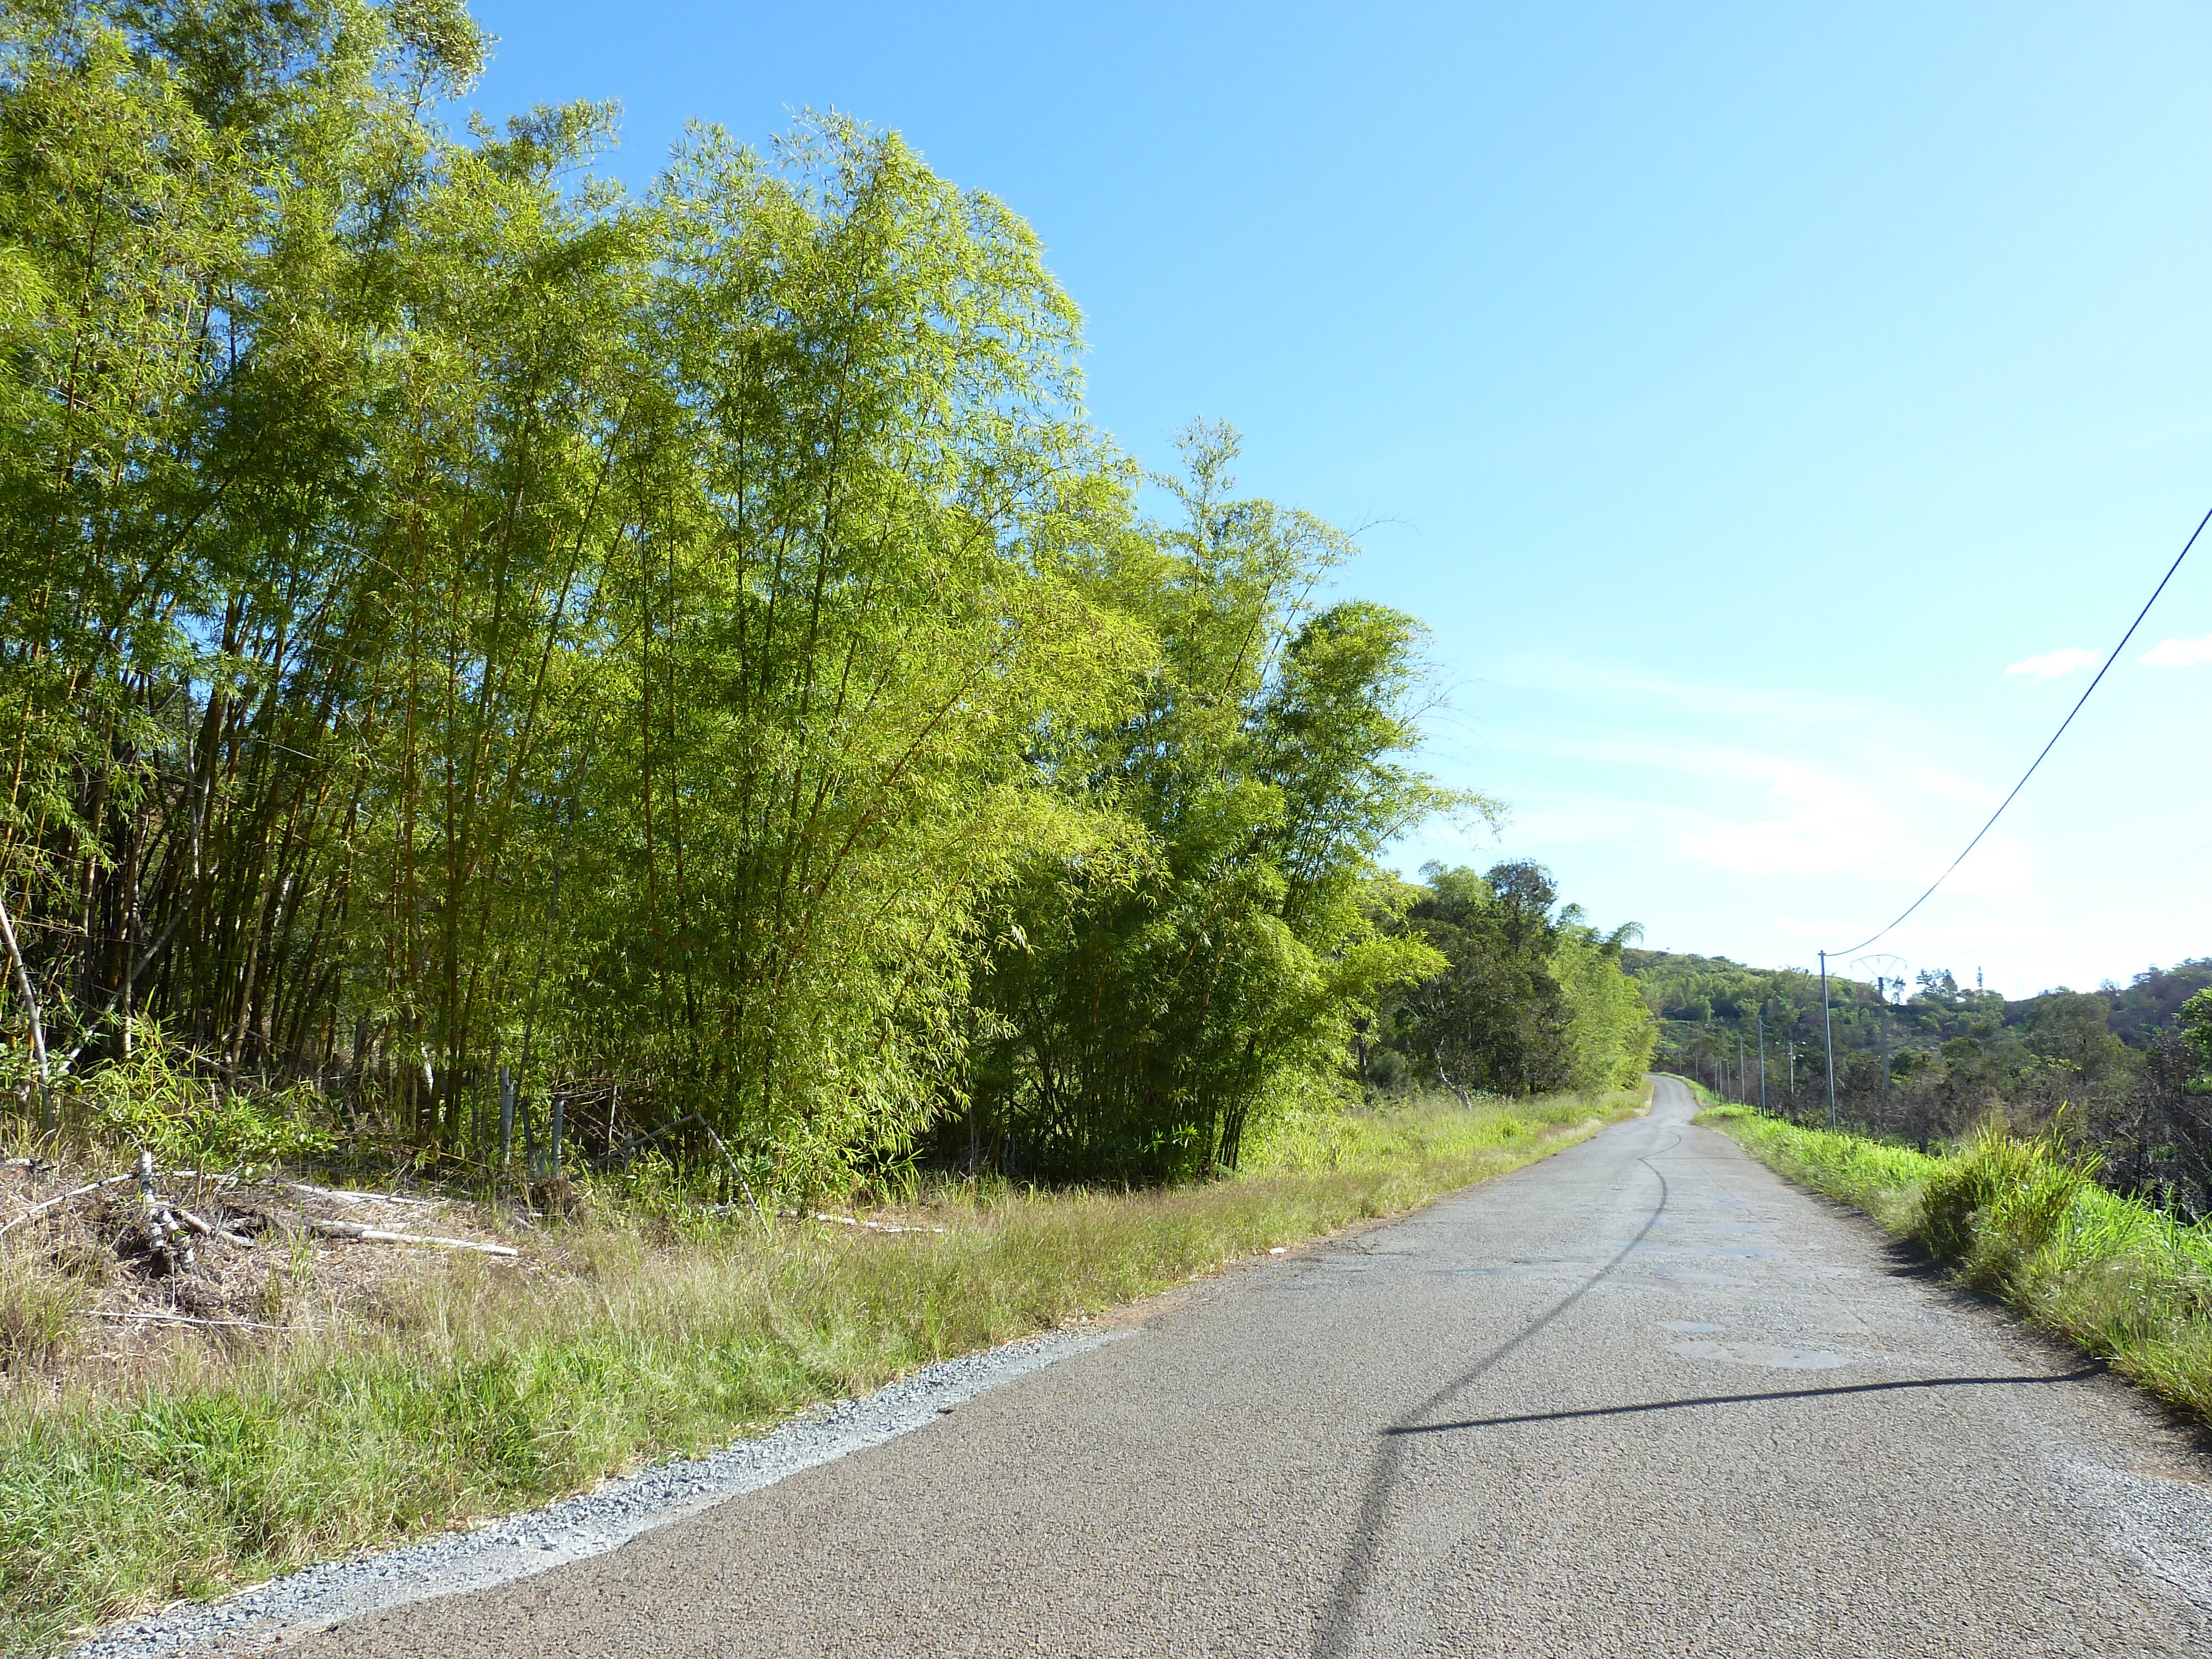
{"x":2194,"y":1019}
{"x":1531,"y":998}
{"x":1610,"y":1035}
{"x":1207,"y":944}
{"x":475,"y":643}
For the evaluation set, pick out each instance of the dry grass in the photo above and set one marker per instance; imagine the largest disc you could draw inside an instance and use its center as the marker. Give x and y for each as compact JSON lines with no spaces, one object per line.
{"x":464,"y":1387}
{"x":95,"y":1289}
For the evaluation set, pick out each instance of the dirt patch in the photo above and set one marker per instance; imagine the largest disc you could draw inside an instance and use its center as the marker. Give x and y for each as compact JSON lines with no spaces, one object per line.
{"x":144,"y":1266}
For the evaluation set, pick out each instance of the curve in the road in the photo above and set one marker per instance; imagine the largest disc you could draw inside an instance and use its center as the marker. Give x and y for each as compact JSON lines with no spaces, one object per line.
{"x":1644,"y":1397}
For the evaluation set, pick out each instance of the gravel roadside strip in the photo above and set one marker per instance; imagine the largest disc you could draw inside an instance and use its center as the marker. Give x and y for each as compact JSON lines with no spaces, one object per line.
{"x":576,"y":1527}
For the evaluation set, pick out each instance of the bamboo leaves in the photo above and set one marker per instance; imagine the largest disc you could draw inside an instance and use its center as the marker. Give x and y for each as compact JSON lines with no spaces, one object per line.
{"x":691,"y":653}
{"x":840,"y":622}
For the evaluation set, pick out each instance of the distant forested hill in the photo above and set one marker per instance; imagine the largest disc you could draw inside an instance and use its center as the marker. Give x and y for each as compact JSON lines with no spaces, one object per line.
{"x":1703,"y":1002}
{"x":2126,"y":1064}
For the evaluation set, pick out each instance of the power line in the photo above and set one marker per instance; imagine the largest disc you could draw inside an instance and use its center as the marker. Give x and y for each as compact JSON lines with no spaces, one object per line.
{"x":2047,"y":747}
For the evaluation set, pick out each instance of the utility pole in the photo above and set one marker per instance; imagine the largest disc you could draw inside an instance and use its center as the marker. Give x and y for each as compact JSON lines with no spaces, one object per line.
{"x":1881,"y":990}
{"x":1738,"y":1063}
{"x":1828,"y":1040}
{"x":1762,"y":1056}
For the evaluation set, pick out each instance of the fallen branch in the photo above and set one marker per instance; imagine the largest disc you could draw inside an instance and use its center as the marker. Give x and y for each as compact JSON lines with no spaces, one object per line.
{"x":339,"y":1197}
{"x":56,"y":1203}
{"x":354,"y":1230}
{"x":851,"y":1221}
{"x":186,"y":1319}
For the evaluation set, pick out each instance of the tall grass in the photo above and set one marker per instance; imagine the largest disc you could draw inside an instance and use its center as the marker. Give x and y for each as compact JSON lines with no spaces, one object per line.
{"x":641,"y":1331}
{"x":2027,"y":1220}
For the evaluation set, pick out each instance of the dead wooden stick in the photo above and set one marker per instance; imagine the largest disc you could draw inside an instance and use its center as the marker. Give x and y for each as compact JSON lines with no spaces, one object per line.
{"x":205,"y":1231}
{"x":379,"y":1235}
{"x":872,"y":1226}
{"x":186,"y":1319}
{"x":56,"y":1203}
{"x":343,"y":1197}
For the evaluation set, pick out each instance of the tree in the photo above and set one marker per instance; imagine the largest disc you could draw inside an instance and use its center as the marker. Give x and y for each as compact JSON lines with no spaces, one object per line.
{"x":466,"y":632}
{"x":1610,"y":1033}
{"x":2197,"y":1023}
{"x":1497,"y":1017}
{"x":1197,"y":951}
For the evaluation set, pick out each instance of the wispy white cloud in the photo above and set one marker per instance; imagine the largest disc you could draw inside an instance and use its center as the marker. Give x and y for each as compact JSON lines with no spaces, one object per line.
{"x":1832,"y":827}
{"x":2053,"y":664}
{"x":2179,"y":654}
{"x":1764,"y":821}
{"x":1621,"y":691}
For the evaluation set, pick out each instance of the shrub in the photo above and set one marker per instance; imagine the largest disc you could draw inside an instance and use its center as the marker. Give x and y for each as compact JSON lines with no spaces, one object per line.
{"x":1995,"y":1205}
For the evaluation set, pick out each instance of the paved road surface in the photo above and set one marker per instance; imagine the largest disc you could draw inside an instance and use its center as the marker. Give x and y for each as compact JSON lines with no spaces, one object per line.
{"x":1642,"y":1398}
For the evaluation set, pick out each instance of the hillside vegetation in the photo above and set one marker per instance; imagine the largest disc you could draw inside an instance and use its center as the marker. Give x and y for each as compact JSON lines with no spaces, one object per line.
{"x":2129,"y":1067}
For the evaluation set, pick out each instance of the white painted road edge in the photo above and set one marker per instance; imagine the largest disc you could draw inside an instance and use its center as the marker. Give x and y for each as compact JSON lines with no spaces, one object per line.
{"x":589,"y":1524}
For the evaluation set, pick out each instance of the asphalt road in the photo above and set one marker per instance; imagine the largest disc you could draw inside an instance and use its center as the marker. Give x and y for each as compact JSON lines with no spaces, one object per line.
{"x":1641,"y":1398}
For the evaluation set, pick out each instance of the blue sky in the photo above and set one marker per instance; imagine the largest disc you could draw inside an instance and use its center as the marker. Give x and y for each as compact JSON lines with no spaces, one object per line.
{"x":1738,"y":393}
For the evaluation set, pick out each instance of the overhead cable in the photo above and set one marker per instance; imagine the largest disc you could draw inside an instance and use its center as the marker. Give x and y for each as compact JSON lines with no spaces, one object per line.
{"x":2047,"y":747}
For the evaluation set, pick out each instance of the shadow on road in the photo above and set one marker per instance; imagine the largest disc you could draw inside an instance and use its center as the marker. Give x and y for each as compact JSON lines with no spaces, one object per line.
{"x":1745,"y":1400}
{"x":1334,"y":1629}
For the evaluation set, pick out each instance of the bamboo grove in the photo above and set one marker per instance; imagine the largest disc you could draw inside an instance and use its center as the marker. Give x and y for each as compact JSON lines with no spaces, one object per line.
{"x":686,"y":654}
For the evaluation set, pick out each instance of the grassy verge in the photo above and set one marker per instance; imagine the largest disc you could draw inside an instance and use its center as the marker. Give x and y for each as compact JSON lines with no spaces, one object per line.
{"x":633,"y":1334}
{"x":2027,"y":1220}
